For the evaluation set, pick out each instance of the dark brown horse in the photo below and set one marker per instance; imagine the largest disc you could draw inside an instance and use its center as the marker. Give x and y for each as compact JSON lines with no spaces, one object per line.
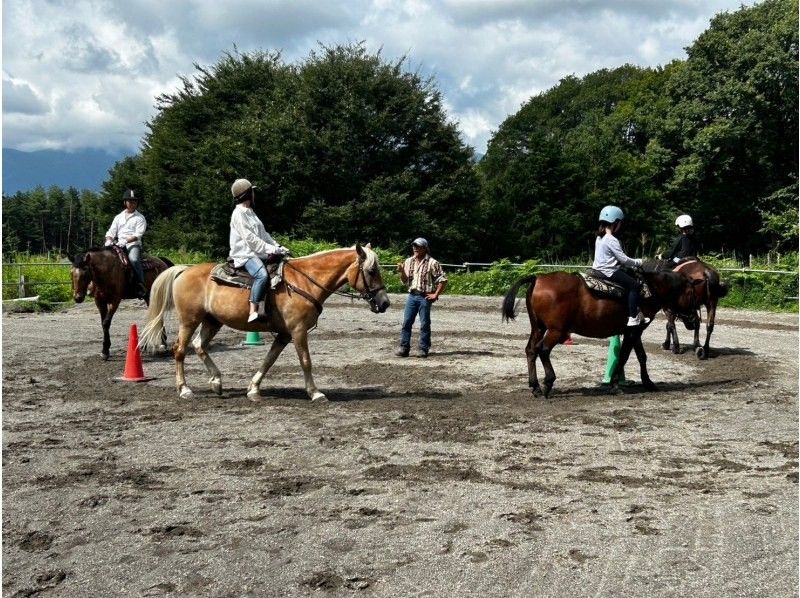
{"x":112,"y":281}
{"x":560,"y":304}
{"x":295,"y":306}
{"x":708,"y":295}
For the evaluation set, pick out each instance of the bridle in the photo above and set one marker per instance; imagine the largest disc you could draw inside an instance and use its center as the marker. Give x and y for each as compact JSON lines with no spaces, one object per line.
{"x":368,"y":295}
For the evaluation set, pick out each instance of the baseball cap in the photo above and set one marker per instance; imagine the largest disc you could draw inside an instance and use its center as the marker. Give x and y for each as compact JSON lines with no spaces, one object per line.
{"x":420,"y":242}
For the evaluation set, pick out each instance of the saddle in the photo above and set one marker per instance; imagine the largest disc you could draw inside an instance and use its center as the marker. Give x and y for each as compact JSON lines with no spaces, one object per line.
{"x":227,"y":274}
{"x":603,"y":287}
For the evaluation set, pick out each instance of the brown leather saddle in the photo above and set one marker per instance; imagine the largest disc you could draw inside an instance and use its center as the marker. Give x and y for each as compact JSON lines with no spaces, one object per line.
{"x":226,"y":274}
{"x":602,"y":287}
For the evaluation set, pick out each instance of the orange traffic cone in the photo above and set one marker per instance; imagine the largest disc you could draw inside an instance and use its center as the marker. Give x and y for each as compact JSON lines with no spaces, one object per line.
{"x":133,"y":360}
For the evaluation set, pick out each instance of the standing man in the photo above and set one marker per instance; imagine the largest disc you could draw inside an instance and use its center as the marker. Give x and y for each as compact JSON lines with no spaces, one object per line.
{"x":127,"y":230}
{"x":425,"y":280}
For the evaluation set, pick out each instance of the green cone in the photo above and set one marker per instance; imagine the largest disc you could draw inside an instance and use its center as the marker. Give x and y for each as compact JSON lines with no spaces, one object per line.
{"x":253,"y":338}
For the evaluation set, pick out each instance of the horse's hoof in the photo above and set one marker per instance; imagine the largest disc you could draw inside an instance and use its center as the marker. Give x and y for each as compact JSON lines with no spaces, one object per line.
{"x":700,"y":352}
{"x":104,"y":356}
{"x":676,"y":350}
{"x":614,"y":389}
{"x":318,"y":397}
{"x":254,"y":395}
{"x":186,"y":393}
{"x":161,"y":350}
{"x":216,"y":385}
{"x":665,"y":346}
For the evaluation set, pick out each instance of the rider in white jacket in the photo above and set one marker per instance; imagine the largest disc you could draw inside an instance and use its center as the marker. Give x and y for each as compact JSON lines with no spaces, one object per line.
{"x":127,"y":230}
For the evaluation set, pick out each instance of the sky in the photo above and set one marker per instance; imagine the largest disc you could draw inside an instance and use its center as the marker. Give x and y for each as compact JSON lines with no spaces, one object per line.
{"x":81,"y":74}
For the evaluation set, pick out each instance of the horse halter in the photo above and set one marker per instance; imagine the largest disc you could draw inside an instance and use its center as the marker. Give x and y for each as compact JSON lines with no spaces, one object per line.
{"x":369,"y":294}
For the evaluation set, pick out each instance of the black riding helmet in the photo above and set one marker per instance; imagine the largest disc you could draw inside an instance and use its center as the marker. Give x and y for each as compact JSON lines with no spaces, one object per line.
{"x":130,"y":194}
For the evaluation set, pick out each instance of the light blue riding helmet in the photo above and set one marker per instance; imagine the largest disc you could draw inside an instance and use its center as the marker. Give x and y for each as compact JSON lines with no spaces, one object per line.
{"x":611,"y":214}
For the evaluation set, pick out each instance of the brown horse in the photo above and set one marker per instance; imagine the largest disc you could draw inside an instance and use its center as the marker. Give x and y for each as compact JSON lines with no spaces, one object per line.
{"x":294,"y":309}
{"x":560,"y":303}
{"x":112,"y":281}
{"x":707,"y":294}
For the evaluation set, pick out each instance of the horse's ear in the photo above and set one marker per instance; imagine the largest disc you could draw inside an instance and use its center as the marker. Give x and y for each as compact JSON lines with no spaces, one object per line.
{"x":360,"y":251}
{"x":368,"y":245}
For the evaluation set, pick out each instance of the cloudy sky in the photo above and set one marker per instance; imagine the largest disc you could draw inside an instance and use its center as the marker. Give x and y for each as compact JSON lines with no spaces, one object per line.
{"x":84,"y":73}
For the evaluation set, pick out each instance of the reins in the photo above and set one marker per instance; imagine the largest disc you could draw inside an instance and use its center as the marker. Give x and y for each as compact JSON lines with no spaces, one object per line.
{"x":369,"y":295}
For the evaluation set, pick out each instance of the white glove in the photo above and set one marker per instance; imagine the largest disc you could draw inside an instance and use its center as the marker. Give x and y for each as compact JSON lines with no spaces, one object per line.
{"x":639,"y":262}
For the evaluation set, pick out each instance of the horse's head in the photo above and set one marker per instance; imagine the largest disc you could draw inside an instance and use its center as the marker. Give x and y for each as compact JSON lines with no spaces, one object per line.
{"x":676,"y":291}
{"x":365,"y":277}
{"x":81,"y":275}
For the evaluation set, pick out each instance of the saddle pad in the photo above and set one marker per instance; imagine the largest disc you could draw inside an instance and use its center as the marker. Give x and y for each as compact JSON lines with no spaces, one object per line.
{"x":225,"y":273}
{"x":603,"y":286}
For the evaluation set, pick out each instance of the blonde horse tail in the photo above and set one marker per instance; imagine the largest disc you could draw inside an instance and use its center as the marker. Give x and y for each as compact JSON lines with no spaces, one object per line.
{"x":161,"y":303}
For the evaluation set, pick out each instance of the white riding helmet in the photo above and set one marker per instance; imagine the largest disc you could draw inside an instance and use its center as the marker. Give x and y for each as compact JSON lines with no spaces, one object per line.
{"x":683,"y":221}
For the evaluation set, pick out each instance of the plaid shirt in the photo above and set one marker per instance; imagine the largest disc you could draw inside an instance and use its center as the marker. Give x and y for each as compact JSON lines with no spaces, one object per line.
{"x":423,"y":275}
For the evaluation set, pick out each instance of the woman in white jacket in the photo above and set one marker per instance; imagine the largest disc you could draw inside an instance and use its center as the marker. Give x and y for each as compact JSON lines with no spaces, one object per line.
{"x":251,"y":243}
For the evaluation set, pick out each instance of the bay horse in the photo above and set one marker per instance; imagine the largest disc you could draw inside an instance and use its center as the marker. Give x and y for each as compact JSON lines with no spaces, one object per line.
{"x":111,"y":281}
{"x":294,"y":308}
{"x":708,"y":295}
{"x":560,"y":303}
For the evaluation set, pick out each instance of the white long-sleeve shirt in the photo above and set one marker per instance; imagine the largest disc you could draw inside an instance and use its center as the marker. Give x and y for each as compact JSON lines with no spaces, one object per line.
{"x":609,"y":257}
{"x":248,"y":237}
{"x":125,"y":225}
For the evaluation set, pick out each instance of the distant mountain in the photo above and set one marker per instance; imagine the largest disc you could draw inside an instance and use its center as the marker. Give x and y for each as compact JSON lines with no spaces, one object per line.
{"x":82,"y":169}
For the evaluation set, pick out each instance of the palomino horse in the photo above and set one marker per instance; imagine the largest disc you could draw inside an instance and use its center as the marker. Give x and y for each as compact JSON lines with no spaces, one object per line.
{"x":707,"y":294}
{"x":560,"y":303}
{"x":294,"y":309}
{"x":112,"y":281}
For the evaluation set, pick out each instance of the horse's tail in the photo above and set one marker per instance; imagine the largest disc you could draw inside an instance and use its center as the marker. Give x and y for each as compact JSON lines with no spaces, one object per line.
{"x":161,"y":303}
{"x":716,"y":287}
{"x":511,"y":297}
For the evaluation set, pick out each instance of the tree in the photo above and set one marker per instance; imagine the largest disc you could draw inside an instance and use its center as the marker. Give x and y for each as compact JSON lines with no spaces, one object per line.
{"x":731,"y":128}
{"x":344,"y":146}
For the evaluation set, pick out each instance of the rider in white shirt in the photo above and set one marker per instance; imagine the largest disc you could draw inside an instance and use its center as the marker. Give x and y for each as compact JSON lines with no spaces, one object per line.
{"x":127,"y":230}
{"x":251,"y":243}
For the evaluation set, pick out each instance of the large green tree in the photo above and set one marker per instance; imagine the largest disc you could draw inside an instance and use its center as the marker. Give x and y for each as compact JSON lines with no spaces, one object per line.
{"x":344,"y":146}
{"x":730,"y":133}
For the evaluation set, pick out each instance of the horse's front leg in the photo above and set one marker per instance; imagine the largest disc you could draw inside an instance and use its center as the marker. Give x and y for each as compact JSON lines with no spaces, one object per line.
{"x":107,"y":312}
{"x":278,"y":345}
{"x":300,"y":338}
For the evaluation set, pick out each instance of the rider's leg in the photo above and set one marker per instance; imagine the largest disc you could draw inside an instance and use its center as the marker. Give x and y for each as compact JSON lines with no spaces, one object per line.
{"x":633,"y":287}
{"x":258,"y":271}
{"x":135,"y":258}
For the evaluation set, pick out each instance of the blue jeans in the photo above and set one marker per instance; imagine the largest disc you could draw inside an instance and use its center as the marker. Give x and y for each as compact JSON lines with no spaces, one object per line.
{"x":417,"y":304}
{"x":258,"y":271}
{"x":135,"y":259}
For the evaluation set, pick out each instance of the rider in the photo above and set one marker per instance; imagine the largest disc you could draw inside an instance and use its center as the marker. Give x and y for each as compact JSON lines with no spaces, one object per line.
{"x":126,"y":231}
{"x":251,"y":243}
{"x":609,"y":260}
{"x":685,"y":246}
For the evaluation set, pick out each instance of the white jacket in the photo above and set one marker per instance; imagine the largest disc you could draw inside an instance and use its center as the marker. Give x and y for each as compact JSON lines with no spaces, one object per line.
{"x":249,"y":238}
{"x":126,"y":225}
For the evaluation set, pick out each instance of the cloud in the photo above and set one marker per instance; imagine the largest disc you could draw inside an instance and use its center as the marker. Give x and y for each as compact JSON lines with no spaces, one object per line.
{"x":20,"y":98}
{"x":85,"y":73}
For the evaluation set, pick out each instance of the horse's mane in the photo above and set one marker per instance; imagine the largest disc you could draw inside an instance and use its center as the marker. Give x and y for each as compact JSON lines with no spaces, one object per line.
{"x":369,"y":261}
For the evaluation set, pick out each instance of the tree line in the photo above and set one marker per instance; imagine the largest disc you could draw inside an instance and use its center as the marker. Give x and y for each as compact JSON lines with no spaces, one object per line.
{"x":348,"y":146}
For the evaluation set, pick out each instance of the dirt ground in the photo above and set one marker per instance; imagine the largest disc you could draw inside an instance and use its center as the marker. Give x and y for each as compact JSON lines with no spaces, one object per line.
{"x":436,"y":477}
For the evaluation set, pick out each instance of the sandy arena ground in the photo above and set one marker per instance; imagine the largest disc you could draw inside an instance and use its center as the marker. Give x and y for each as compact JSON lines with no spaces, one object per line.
{"x":437,"y":477}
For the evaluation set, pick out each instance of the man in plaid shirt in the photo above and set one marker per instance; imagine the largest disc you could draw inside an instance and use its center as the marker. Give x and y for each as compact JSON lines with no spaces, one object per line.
{"x":425,"y":280}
